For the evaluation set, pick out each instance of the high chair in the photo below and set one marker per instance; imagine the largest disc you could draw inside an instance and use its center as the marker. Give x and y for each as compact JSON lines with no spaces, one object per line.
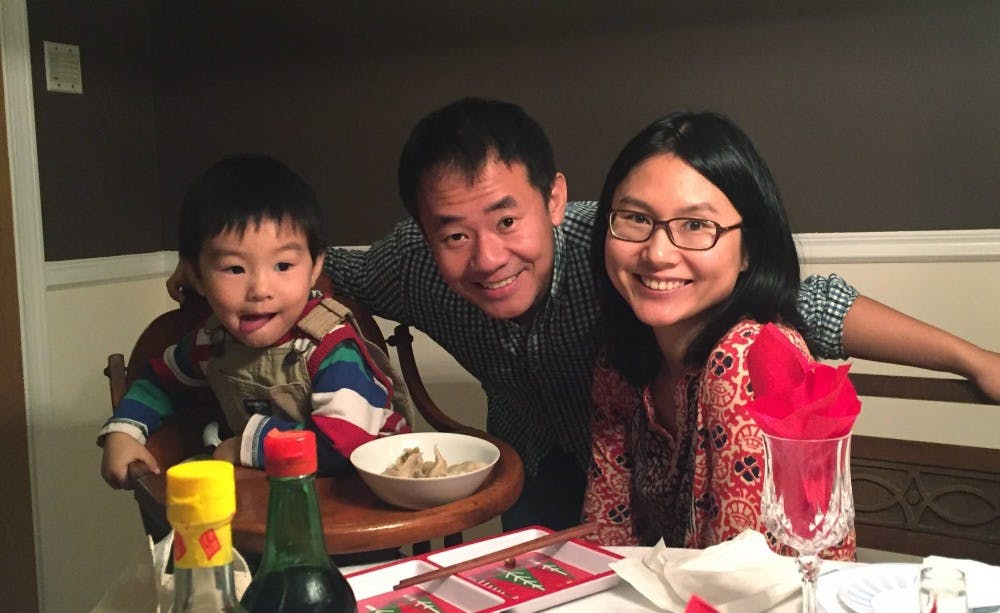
{"x":354,"y":520}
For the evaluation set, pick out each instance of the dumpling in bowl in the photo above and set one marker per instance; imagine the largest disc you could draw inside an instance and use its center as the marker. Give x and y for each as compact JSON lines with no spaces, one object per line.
{"x":465,"y":467}
{"x":409,"y":464}
{"x":437,"y":468}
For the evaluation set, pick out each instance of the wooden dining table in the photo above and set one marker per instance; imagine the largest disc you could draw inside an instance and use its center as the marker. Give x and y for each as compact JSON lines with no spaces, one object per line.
{"x":354,"y":519}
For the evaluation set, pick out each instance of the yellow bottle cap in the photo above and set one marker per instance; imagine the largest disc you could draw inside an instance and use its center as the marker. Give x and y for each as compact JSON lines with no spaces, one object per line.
{"x":200,"y":492}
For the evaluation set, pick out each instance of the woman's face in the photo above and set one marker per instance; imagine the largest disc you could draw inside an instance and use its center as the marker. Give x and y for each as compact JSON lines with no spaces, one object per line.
{"x":667,"y":287}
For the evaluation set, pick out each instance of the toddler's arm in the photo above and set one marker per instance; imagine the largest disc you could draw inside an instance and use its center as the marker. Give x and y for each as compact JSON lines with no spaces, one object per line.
{"x":149,"y":399}
{"x":350,"y":406}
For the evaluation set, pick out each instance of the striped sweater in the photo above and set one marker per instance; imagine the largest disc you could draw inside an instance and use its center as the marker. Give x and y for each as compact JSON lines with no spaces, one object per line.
{"x":349,"y":397}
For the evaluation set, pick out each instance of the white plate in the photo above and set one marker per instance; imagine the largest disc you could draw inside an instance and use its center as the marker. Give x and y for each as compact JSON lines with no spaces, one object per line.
{"x":859,"y":586}
{"x":897,"y":600}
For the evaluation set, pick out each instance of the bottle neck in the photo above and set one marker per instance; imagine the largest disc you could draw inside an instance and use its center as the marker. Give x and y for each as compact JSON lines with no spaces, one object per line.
{"x":294,"y":535}
{"x":200,"y":590}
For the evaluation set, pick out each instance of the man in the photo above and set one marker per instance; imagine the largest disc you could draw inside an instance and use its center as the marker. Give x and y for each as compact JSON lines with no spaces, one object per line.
{"x":494,"y":266}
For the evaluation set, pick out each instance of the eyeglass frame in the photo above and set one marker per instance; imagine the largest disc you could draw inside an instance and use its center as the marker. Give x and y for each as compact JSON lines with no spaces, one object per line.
{"x":720,"y":229}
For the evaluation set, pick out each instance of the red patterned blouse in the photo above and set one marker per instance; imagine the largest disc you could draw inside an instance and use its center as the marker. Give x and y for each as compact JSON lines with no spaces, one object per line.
{"x":699,"y":488}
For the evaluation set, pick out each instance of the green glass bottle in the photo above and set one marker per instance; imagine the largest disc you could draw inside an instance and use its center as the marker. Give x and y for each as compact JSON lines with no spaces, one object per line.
{"x":201,"y":501}
{"x":295,"y":574}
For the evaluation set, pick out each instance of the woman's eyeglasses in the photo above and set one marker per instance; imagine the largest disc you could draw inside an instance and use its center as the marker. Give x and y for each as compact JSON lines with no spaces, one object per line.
{"x":684,"y":232}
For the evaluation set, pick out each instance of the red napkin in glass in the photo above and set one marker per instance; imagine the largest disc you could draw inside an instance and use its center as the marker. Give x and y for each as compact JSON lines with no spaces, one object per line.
{"x":795,"y":397}
{"x":697,"y":605}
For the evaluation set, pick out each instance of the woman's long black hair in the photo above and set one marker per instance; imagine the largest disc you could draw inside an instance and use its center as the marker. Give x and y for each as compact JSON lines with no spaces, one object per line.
{"x":766,"y":292}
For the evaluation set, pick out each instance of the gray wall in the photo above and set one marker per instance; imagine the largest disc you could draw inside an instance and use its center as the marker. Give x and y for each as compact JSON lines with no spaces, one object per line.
{"x":874,"y":115}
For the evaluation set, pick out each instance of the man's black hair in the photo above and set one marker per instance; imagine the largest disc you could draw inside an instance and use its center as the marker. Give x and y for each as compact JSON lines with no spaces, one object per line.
{"x":463,"y":136}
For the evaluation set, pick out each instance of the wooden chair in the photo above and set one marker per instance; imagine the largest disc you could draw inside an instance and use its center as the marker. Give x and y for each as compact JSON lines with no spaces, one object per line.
{"x":354,"y":520}
{"x":925,"y":498}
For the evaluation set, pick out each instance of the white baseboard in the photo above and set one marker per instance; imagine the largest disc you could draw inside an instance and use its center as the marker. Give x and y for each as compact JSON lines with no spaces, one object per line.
{"x":832,"y":248}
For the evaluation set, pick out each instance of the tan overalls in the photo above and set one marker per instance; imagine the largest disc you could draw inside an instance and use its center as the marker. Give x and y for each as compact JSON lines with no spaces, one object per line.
{"x":275,"y":380}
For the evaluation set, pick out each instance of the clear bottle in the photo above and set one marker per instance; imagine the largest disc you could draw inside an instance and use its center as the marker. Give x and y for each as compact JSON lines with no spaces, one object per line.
{"x":201,"y":501}
{"x":295,"y":574}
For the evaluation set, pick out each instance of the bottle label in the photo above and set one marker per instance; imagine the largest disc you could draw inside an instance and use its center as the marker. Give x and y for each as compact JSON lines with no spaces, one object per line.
{"x":203,"y":546}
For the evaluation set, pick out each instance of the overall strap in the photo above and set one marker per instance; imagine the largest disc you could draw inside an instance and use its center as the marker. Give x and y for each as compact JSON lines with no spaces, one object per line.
{"x":324,"y":318}
{"x":322,"y":325}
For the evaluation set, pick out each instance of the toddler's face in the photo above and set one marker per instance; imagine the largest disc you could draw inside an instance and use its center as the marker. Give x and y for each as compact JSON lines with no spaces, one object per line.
{"x":257,"y":284}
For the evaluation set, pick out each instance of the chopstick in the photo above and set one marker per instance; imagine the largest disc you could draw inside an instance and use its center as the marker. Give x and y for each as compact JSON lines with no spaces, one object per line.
{"x":498,"y":556}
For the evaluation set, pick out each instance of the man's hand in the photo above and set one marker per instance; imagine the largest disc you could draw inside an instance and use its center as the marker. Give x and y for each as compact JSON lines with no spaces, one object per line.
{"x":121,"y":450}
{"x":228,"y":450}
{"x":985,"y":372}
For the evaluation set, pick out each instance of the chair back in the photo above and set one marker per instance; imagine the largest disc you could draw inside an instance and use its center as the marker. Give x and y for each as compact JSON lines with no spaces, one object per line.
{"x":925,"y":498}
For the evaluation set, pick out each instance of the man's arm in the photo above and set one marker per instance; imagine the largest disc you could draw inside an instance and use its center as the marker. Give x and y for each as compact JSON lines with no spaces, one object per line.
{"x":874,"y":331}
{"x":843,"y":324}
{"x":375,"y":277}
{"x":823,"y":305}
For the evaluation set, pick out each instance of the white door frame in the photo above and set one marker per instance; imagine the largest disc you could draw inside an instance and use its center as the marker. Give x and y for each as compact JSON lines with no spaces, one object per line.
{"x":29,"y":248}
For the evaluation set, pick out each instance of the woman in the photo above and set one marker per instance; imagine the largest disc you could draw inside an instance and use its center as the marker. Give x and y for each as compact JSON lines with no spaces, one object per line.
{"x":693,"y":254}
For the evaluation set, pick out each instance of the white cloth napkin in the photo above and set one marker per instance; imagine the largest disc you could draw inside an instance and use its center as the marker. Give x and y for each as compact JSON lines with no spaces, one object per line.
{"x":144,"y":585}
{"x":741,"y":575}
{"x":982,"y":581}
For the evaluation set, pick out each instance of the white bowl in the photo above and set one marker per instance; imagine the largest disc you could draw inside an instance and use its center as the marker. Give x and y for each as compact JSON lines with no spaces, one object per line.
{"x":372,"y":458}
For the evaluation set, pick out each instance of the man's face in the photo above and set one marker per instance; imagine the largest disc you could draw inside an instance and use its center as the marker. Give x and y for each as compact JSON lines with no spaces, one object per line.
{"x":492,"y":237}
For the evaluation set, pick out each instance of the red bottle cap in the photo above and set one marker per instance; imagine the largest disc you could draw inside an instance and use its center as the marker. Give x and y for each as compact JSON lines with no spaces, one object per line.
{"x":291,"y":453}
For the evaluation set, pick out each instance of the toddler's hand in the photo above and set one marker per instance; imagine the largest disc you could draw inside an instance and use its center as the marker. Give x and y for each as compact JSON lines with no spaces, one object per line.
{"x":228,"y":450}
{"x":121,"y":450}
